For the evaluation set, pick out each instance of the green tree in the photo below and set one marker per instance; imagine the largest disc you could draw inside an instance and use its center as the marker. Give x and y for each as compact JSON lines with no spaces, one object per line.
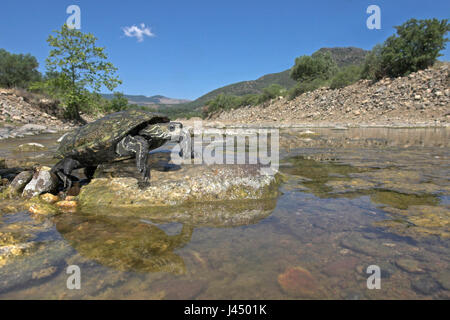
{"x":118,"y":102}
{"x":17,"y":70}
{"x":416,"y":46}
{"x":80,"y":65}
{"x":305,"y":86}
{"x":346,"y":76}
{"x":271,"y":92}
{"x":309,"y":68}
{"x":371,"y":68}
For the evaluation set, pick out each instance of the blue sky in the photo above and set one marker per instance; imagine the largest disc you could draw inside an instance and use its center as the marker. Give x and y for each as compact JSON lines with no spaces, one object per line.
{"x":198,"y":45}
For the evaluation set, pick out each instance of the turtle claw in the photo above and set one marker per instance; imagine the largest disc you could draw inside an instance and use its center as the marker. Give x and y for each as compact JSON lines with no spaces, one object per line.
{"x":146,"y":174}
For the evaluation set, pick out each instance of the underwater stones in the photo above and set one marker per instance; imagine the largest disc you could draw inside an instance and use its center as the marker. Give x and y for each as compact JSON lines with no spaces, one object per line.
{"x":44,"y":273}
{"x":298,"y":282}
{"x":30,"y":147}
{"x":43,"y":181}
{"x":340,"y":267}
{"x":425,"y":286}
{"x":360,"y":244}
{"x":13,"y":250}
{"x":18,"y":272}
{"x":12,"y":245}
{"x":343,"y":186}
{"x":409,"y":265}
{"x":418,"y":221}
{"x":443,"y":278}
{"x":2,"y":163}
{"x":188,"y":185}
{"x":125,"y":244}
{"x":180,"y":289}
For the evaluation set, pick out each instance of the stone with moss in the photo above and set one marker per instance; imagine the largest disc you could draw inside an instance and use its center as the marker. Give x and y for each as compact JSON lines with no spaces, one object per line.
{"x":219,"y":191}
{"x":30,"y":147}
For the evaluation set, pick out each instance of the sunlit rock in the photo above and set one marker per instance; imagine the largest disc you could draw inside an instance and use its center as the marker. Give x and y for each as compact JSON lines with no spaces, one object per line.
{"x":226,"y":192}
{"x":43,"y":181}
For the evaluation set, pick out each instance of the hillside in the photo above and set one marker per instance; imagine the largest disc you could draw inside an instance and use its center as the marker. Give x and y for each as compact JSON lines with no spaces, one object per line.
{"x":342,"y":56}
{"x":345,"y":56}
{"x":149,"y":101}
{"x":422,"y":98}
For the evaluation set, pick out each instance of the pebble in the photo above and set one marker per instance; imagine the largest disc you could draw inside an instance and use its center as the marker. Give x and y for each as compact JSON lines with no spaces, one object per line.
{"x":409,"y":265}
{"x":298,"y":282}
{"x":49,"y":198}
{"x":67,"y":206}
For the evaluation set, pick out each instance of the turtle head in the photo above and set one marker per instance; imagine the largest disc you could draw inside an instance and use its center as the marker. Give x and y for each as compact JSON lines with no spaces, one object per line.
{"x":163,"y":131}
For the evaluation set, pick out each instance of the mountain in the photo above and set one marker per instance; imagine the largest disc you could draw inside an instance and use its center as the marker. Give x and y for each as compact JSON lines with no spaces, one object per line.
{"x":246,"y":87}
{"x":343,"y":56}
{"x":149,"y":101}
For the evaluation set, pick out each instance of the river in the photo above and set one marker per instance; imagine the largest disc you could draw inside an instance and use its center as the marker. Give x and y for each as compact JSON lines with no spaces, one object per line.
{"x":350,"y":199}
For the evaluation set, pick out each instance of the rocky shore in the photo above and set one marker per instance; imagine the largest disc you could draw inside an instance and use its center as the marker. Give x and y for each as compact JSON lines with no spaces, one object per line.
{"x":26,"y":114}
{"x":421,"y":99}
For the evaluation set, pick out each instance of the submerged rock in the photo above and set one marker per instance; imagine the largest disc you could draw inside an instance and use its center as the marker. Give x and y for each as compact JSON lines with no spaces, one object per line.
{"x":298,"y":282}
{"x":409,"y":265}
{"x":43,"y":181}
{"x":30,"y":147}
{"x":418,"y":221}
{"x":125,"y":244}
{"x":31,"y":269}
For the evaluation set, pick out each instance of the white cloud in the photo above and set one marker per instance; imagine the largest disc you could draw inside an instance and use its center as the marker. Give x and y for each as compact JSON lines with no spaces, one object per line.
{"x":138,"y":32}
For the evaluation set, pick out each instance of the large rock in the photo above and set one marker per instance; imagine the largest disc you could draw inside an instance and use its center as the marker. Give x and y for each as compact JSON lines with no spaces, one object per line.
{"x":30,"y":147}
{"x":216,"y":194}
{"x":20,"y":181}
{"x":43,"y":181}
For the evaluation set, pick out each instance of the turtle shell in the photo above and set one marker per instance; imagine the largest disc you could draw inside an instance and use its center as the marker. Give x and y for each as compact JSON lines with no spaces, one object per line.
{"x":95,"y":142}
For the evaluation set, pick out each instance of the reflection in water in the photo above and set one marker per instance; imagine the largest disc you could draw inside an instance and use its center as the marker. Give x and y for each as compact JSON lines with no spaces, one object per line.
{"x":125,"y":244}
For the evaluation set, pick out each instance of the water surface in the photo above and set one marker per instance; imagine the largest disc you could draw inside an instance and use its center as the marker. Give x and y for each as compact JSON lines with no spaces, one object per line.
{"x":349,"y":199}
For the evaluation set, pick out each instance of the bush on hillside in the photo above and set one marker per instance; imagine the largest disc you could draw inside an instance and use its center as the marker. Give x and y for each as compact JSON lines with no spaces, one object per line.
{"x":308,"y":68}
{"x":346,"y":76}
{"x":18,"y":70}
{"x":271,"y":92}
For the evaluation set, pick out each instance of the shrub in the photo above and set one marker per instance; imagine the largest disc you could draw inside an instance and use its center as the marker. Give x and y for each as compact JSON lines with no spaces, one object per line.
{"x":415,"y":47}
{"x":18,"y":70}
{"x":271,"y":92}
{"x":371,"y":68}
{"x":305,"y":86}
{"x":309,"y":68}
{"x":346,"y":76}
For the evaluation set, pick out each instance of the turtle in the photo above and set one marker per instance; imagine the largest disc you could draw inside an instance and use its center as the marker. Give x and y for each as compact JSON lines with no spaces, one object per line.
{"x":115,"y":137}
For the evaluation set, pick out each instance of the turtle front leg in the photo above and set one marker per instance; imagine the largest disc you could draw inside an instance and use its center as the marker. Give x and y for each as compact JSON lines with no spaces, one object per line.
{"x":63,"y":169}
{"x":140,"y":147}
